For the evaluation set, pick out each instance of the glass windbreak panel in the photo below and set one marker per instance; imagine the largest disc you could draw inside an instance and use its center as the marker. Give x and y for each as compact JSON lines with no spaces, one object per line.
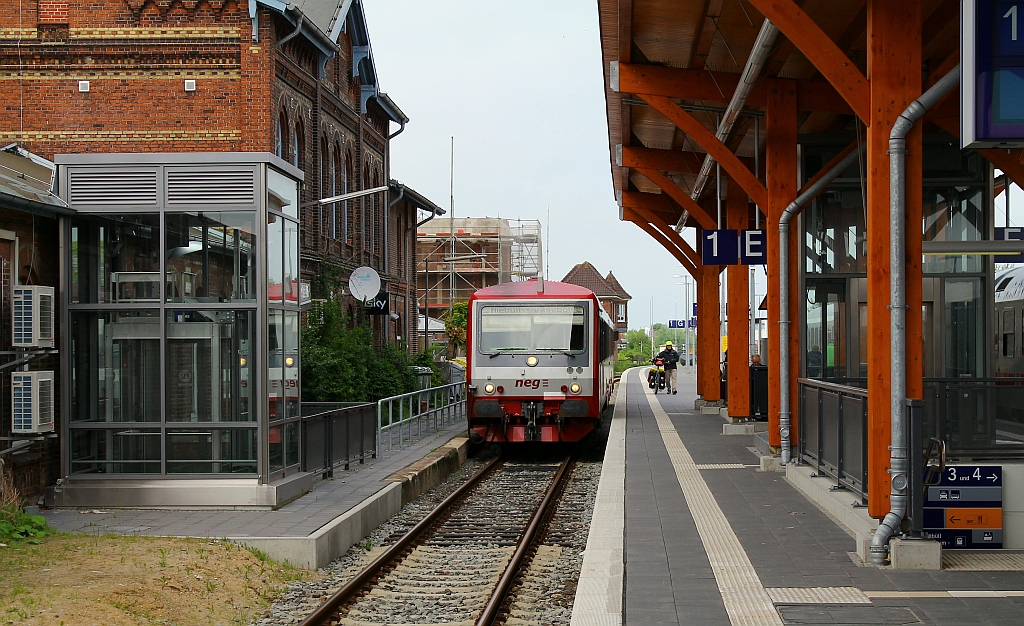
{"x":291,"y":262}
{"x":115,"y":366}
{"x":953,"y":214}
{"x":115,"y":258}
{"x":291,"y":443}
{"x":275,"y":363}
{"x":211,"y":257}
{"x":115,"y":451}
{"x":532,"y":328}
{"x":208,"y":366}
{"x":275,"y":258}
{"x":964,"y":346}
{"x":291,"y":363}
{"x":212,"y":451}
{"x":282,"y":193}
{"x":276,"y":434}
{"x":834,"y":233}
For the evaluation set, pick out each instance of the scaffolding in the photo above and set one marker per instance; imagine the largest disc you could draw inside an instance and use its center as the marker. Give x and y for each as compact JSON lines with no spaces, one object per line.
{"x":459,"y":256}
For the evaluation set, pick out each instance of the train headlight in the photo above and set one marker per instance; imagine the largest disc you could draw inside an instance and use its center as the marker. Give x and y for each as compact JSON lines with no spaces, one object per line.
{"x":531,"y":361}
{"x":488,"y":388}
{"x":575,"y":387}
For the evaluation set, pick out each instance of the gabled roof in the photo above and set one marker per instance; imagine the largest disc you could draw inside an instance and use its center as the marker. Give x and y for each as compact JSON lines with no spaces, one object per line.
{"x":323,"y":21}
{"x":614,"y":283}
{"x":586,"y":275}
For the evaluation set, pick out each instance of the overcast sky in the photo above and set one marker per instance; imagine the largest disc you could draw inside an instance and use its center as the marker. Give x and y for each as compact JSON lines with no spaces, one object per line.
{"x":520,"y":87}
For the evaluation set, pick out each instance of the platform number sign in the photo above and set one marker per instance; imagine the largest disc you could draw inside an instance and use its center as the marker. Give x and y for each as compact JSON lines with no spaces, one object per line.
{"x":992,"y":74}
{"x":965,"y":510}
{"x":734,"y":247}
{"x":1009,"y":234}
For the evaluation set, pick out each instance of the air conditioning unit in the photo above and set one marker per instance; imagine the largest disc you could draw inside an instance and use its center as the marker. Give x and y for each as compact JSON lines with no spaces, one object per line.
{"x":32,"y":400}
{"x":32,"y":322}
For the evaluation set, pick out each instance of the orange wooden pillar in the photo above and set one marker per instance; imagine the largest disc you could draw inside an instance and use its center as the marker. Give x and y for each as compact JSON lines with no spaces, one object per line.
{"x":894,"y":71}
{"x":781,"y":175}
{"x":738,"y":306}
{"x":708,"y":328}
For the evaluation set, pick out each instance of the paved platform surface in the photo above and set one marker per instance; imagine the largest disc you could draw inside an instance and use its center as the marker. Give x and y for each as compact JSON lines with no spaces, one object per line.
{"x":709,"y":539}
{"x":302,"y":517}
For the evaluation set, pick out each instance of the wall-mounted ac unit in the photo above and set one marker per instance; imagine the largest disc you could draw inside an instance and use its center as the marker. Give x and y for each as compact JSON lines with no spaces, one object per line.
{"x":32,"y":400}
{"x":32,"y":316}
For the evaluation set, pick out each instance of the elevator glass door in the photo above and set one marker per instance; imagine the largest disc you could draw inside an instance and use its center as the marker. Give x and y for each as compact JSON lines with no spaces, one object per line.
{"x":825,"y":342}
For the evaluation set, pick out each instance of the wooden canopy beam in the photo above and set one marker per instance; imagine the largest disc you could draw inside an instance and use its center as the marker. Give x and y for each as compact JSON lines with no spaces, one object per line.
{"x":653,"y":159}
{"x":717,"y":87}
{"x":658,"y":203}
{"x":672,"y":235}
{"x":665,"y":243}
{"x":712,"y":145}
{"x":821,"y":51}
{"x":665,"y":183}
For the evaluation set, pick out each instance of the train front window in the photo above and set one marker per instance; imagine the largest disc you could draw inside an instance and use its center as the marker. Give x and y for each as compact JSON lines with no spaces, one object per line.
{"x":536,"y":328}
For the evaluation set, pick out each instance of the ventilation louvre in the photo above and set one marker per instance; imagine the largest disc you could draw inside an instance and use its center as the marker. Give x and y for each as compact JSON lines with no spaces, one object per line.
{"x":116,"y":188}
{"x":225,"y":187}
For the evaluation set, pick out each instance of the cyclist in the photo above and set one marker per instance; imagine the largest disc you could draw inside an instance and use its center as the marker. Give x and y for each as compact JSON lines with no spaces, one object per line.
{"x":670,"y":357}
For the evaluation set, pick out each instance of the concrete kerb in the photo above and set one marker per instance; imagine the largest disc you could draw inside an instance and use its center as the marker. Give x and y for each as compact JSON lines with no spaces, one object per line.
{"x":598,"y":599}
{"x":334,"y":538}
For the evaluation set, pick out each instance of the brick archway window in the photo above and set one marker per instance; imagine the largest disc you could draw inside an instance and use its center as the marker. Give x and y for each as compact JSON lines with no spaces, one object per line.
{"x":298,"y":147}
{"x":282,"y":135}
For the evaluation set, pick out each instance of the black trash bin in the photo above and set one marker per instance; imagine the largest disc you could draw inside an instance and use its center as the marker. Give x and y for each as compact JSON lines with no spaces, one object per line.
{"x":759,"y":392}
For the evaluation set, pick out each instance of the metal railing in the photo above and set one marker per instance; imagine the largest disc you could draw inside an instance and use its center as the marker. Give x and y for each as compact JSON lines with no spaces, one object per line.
{"x":415,"y":413}
{"x":833,"y":432}
{"x":336,"y":434}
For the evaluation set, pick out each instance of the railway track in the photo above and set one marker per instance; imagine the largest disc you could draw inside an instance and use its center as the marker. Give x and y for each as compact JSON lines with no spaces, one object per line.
{"x":458,"y":564}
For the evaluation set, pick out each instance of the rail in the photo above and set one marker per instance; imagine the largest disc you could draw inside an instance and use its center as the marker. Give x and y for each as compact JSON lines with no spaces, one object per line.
{"x":325,"y":613}
{"x":434,"y":407}
{"x":833,"y":425}
{"x":336,"y":434}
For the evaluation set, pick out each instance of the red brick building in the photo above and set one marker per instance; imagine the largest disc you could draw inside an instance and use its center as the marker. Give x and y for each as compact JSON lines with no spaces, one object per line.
{"x":200,"y":90}
{"x":295,"y":79}
{"x":609,"y":292}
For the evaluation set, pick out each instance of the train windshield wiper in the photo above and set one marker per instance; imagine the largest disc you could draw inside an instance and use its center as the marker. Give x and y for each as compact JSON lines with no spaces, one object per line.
{"x":512,"y":349}
{"x":571,"y":355}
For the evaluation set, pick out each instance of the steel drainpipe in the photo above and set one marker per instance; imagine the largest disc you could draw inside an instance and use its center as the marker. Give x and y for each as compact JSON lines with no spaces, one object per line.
{"x":792,"y":211}
{"x":898,"y":462}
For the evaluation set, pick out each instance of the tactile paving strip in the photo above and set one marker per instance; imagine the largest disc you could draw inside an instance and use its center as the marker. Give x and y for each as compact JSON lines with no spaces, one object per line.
{"x":711,"y":466}
{"x":746,"y":600}
{"x":978,"y":562}
{"x":817,"y":595}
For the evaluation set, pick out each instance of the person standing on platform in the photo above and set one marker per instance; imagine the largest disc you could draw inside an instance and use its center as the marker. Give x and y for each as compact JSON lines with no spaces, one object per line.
{"x":670,"y":357}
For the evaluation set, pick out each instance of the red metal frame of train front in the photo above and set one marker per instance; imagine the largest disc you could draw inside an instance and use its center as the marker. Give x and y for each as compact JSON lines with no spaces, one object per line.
{"x":511,"y":424}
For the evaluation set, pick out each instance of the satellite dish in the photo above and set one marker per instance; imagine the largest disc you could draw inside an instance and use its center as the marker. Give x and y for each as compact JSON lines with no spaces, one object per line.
{"x":364,"y":283}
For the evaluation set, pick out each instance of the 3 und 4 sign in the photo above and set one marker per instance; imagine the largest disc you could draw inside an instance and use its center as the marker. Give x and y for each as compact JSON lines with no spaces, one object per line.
{"x":965,"y":510}
{"x":732,"y":247}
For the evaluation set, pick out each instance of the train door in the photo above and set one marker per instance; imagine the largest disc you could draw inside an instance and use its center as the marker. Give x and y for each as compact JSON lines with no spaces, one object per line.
{"x":826,"y":329}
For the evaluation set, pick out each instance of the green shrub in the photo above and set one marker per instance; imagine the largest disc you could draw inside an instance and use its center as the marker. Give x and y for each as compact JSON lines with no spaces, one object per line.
{"x":339,"y":363}
{"x":15,"y":524}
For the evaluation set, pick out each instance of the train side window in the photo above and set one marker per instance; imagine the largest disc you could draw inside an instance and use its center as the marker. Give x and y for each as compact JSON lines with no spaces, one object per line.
{"x":1008,"y":330}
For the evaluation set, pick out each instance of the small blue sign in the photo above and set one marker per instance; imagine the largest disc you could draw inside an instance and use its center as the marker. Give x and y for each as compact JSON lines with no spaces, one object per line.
{"x":720,"y":247}
{"x":753,"y":247}
{"x":693,"y":322}
{"x":694,"y":309}
{"x":1011,"y":233}
{"x":677,"y":323}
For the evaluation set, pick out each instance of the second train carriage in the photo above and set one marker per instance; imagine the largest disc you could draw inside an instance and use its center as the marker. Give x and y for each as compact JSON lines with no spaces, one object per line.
{"x":540,"y":362}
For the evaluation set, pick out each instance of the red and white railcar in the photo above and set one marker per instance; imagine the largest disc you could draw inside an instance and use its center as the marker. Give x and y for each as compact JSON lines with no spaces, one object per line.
{"x":540,"y":362}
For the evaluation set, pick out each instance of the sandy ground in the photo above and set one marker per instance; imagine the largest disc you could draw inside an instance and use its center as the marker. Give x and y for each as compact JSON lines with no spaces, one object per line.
{"x":115,"y":580}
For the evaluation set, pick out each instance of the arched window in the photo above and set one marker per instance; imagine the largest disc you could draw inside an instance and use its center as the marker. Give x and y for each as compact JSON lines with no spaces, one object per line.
{"x":282,"y":139}
{"x":349,"y":207}
{"x":297,"y":146}
{"x":336,"y":179}
{"x":325,"y":185}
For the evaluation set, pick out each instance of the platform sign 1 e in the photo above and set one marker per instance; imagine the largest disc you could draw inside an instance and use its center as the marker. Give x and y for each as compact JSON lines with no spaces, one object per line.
{"x":965,"y":510}
{"x":992,"y":74}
